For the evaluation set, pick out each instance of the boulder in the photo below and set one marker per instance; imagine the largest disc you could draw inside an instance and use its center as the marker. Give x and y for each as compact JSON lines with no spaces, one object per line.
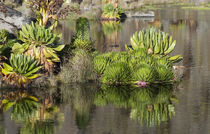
{"x":140,"y":14}
{"x":11,"y":19}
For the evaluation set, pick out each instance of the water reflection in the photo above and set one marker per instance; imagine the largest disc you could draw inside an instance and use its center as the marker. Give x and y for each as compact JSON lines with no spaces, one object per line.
{"x":101,"y":109}
{"x":42,"y":114}
{"x":31,"y":114}
{"x":150,"y":106}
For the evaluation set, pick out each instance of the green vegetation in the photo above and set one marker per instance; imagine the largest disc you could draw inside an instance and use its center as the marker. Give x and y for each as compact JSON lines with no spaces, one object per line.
{"x":197,"y":7}
{"x":111,"y":13}
{"x":21,"y":71}
{"x":40,"y":43}
{"x":146,"y":61}
{"x":46,"y":10}
{"x":131,"y":67}
{"x":82,"y":38}
{"x":79,"y":68}
{"x":5,"y":43}
{"x":154,"y":42}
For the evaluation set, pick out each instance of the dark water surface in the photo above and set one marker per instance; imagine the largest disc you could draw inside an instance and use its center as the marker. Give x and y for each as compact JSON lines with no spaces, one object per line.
{"x":91,"y":109}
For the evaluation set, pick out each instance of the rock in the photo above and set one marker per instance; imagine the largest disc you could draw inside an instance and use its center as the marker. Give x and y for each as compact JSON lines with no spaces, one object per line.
{"x":4,"y":25}
{"x":140,"y":14}
{"x":11,"y":19}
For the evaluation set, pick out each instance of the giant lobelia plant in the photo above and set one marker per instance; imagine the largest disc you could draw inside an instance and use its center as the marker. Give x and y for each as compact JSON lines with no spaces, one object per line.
{"x":82,"y":38}
{"x":40,"y":43}
{"x":21,"y":71}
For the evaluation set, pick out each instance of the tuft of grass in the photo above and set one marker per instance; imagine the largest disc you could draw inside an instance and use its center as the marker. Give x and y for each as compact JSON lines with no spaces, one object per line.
{"x":197,"y":8}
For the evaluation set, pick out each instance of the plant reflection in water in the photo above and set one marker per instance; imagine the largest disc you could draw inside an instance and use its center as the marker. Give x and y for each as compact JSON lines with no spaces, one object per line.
{"x":31,"y":114}
{"x":150,"y":106}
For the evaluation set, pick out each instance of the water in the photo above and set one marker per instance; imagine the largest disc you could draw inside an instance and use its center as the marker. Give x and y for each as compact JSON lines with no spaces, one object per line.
{"x":92,"y":109}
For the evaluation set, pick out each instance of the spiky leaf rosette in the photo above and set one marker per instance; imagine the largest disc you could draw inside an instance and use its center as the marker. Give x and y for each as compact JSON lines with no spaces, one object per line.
{"x":154,"y":42}
{"x":110,"y":12}
{"x":38,"y":35}
{"x":165,"y":74}
{"x":82,"y":44}
{"x":145,"y":73}
{"x":5,"y":43}
{"x":39,"y":42}
{"x":21,"y":71}
{"x":102,"y":61}
{"x":117,"y":73}
{"x":165,"y":61}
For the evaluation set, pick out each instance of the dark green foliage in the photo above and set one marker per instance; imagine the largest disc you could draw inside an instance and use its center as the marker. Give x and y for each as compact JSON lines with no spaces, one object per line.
{"x":147,"y":60}
{"x":3,"y":36}
{"x":5,"y":43}
{"x":82,"y":39}
{"x":82,"y":28}
{"x":164,"y":73}
{"x":141,"y":66}
{"x":101,"y":62}
{"x":118,"y":72}
{"x":144,"y":73}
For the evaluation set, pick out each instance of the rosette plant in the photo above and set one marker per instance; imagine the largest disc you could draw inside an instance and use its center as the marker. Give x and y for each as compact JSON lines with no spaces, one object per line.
{"x":154,"y":42}
{"x":111,"y":12}
{"x":21,"y":71}
{"x":46,"y":10}
{"x":40,"y":43}
{"x":5,"y":43}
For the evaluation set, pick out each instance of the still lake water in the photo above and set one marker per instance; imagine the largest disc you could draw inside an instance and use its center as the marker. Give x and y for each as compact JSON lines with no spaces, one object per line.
{"x":91,"y":109}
